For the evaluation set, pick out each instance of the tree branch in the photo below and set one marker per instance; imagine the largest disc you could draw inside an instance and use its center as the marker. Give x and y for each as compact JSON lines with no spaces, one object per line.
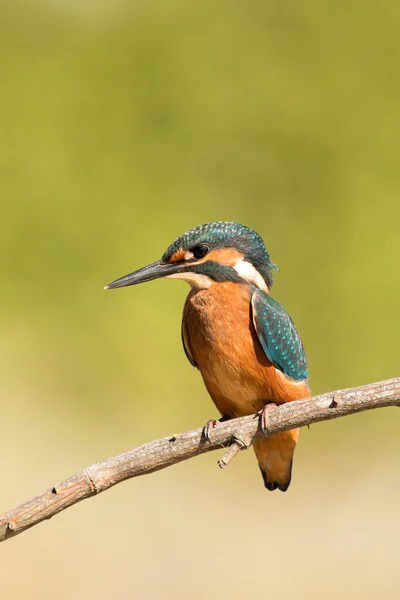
{"x":159,"y":454}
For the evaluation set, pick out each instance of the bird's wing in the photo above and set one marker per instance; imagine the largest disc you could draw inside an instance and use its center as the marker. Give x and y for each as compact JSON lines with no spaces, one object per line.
{"x":278,"y":336}
{"x":186,"y":344}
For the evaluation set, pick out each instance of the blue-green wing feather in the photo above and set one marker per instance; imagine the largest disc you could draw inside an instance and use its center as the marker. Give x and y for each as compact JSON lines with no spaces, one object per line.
{"x":278,"y":336}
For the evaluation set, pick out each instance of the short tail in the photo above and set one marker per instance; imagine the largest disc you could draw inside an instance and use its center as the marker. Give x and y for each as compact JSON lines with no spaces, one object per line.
{"x":275,"y":458}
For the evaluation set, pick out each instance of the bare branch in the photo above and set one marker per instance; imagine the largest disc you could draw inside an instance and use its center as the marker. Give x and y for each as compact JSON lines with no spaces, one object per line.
{"x":159,"y":454}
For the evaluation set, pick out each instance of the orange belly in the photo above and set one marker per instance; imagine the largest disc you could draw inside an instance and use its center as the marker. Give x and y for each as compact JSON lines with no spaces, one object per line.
{"x":221,"y":338}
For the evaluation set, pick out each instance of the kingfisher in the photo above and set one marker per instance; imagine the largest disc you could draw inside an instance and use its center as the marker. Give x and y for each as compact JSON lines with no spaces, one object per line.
{"x":239,"y":337}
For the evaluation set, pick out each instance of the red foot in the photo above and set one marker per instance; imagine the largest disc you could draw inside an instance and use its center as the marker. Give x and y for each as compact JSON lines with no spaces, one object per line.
{"x":264,"y":416}
{"x":211,"y":424}
{"x":208,"y":427}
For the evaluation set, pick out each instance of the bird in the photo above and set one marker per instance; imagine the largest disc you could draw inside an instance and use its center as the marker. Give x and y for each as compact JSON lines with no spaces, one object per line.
{"x":240,"y":338}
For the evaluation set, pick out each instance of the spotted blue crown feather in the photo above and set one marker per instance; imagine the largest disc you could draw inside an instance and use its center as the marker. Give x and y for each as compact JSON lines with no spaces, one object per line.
{"x":228,"y":234}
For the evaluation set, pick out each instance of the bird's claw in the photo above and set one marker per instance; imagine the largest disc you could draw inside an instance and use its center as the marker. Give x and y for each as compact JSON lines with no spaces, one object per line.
{"x":208,"y":427}
{"x":211,"y":424}
{"x":264,"y":413}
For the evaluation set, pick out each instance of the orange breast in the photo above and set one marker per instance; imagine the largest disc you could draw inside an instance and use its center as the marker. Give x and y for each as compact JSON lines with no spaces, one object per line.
{"x":221,"y":338}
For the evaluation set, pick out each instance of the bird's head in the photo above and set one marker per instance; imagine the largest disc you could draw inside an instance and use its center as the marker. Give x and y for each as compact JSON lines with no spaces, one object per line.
{"x":214,"y":252}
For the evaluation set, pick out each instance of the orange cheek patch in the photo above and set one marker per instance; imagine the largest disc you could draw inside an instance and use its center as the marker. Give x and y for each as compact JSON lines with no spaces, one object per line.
{"x":225,"y":256}
{"x":177,"y":256}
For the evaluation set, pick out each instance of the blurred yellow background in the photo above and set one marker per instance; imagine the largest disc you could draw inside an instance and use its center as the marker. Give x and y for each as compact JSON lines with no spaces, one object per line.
{"x":124,"y":124}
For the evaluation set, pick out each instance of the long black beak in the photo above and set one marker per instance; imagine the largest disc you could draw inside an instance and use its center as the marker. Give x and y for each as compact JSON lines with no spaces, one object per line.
{"x":154,"y":271}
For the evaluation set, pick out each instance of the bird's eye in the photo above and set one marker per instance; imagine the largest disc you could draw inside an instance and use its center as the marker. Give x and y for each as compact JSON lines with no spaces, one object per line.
{"x":200,"y":251}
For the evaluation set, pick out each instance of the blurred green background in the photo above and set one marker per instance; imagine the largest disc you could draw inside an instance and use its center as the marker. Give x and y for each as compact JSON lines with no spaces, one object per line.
{"x":124,"y":124}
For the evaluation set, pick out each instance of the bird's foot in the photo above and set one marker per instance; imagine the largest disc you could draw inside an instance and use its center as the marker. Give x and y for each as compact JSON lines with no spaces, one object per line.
{"x":208,"y":427}
{"x":264,"y":414}
{"x":211,"y":424}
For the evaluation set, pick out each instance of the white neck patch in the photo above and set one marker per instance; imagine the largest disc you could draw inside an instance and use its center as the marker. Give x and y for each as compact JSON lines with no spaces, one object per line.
{"x":195,"y":280}
{"x":249,"y":273}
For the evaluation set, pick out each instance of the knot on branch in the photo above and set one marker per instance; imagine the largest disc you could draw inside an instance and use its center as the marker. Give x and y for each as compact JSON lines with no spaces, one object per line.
{"x":334,"y":402}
